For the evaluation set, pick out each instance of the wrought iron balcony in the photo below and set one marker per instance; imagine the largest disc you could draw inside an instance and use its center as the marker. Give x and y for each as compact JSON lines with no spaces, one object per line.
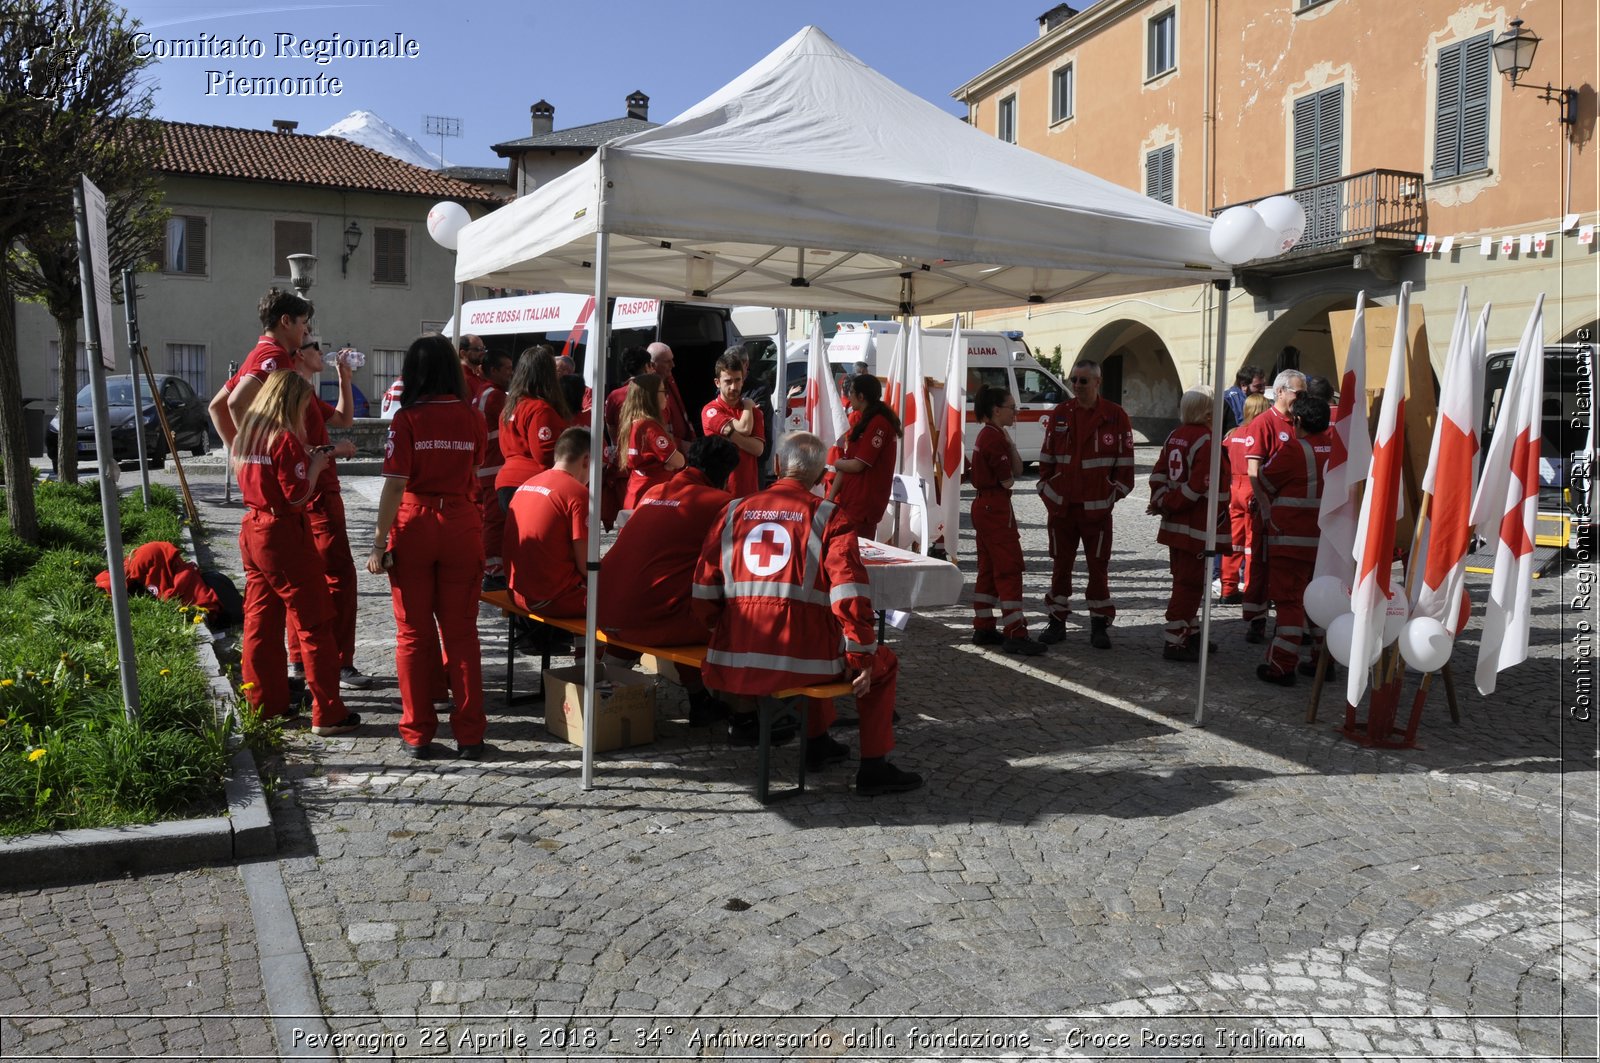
{"x":1373,"y":215}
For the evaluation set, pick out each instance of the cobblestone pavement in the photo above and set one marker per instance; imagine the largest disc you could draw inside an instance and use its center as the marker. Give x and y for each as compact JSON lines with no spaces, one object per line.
{"x":1087,"y":874}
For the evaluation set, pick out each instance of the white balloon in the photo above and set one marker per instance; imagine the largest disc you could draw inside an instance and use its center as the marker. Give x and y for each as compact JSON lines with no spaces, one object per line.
{"x":1238,"y":235}
{"x":1340,"y":633}
{"x":1425,"y":644}
{"x":446,"y":219}
{"x":1394,"y":617}
{"x":1286,"y":218}
{"x":1325,"y":598}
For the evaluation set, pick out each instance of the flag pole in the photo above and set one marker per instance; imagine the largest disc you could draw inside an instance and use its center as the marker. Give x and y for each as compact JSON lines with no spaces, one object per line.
{"x":1217,"y":379}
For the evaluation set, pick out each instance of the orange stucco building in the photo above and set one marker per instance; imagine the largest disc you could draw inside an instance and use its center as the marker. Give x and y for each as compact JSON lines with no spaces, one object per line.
{"x":1390,"y":122}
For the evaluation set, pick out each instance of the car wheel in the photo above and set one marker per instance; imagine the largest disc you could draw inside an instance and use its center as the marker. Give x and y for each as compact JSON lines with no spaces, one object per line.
{"x":158,"y":455}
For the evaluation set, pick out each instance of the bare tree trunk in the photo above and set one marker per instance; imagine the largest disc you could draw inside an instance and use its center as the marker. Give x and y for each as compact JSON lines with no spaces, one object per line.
{"x":13,"y":435}
{"x":67,"y":402}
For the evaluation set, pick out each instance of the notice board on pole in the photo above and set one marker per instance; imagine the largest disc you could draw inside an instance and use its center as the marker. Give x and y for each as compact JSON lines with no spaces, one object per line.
{"x":94,"y":202}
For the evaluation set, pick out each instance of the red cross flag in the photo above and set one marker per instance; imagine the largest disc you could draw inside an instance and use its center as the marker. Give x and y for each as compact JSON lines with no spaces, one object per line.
{"x":1341,"y":484}
{"x":952,"y":442}
{"x":1369,"y":601}
{"x":824,"y":416}
{"x":1452,"y":470}
{"x":916,"y":445}
{"x":1507,"y":501}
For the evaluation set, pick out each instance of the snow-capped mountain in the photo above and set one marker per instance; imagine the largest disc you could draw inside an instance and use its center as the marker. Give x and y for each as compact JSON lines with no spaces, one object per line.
{"x":368,"y":130}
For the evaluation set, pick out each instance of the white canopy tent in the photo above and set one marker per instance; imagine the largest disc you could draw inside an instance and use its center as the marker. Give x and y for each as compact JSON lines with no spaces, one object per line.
{"x":811,"y":181}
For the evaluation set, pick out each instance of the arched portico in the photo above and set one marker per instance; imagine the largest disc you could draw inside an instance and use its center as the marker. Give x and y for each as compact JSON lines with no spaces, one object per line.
{"x":1138,"y":373}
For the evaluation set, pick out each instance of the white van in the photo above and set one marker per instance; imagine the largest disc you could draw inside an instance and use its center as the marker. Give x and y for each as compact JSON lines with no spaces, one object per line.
{"x":997,"y":359}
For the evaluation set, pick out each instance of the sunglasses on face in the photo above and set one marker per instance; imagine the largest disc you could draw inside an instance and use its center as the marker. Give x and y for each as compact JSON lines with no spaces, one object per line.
{"x":1083,"y":380}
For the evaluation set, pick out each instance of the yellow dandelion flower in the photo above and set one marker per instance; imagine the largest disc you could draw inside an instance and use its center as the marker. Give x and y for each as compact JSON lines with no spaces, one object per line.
{"x":166,"y":671}
{"x":200,"y":617}
{"x":64,"y":657}
{"x":44,"y":682}
{"x":8,"y":682}
{"x":248,"y":686}
{"x":37,"y":754}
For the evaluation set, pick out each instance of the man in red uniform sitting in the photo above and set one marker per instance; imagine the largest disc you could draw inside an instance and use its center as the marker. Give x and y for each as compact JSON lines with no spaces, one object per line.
{"x":491,"y":402}
{"x":646,"y":576}
{"x":547,"y":533}
{"x":1292,"y":480}
{"x":781,"y":586}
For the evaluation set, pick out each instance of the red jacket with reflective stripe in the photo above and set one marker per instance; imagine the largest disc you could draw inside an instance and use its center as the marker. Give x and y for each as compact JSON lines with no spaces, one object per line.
{"x":781,"y":586}
{"x":1101,"y":475}
{"x":1293,"y":478}
{"x":1179,"y":485}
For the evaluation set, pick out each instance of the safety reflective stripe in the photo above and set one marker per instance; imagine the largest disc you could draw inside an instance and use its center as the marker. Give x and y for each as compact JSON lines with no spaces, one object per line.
{"x":708,"y":592}
{"x":495,"y":434}
{"x":860,"y":647}
{"x":1101,"y":463}
{"x":1098,"y":503}
{"x":1183,"y":529}
{"x":845,"y":591}
{"x":1293,"y":540}
{"x":775,"y":589}
{"x":1298,"y":503}
{"x":488,"y":470}
{"x":1007,"y":619}
{"x":1284,"y":630}
{"x":1049,"y":492}
{"x":819,"y":524}
{"x":988,"y":599}
{"x":772,"y":662}
{"x":1102,"y":603}
{"x":727,"y":542}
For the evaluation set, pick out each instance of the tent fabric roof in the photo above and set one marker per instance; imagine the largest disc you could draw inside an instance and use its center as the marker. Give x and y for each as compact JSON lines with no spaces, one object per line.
{"x":813,"y":181}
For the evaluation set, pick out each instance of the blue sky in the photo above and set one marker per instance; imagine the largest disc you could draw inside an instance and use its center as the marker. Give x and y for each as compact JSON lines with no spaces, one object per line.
{"x":486,"y":64}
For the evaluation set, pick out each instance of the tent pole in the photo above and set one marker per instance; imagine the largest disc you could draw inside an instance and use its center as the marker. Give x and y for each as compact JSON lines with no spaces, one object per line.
{"x":1218,"y":361}
{"x":594,"y":370}
{"x":780,"y":389}
{"x":455,"y":316}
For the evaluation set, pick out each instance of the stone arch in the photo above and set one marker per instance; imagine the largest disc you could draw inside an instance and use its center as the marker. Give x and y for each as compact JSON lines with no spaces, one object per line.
{"x":1138,"y":373}
{"x":1304,"y":326}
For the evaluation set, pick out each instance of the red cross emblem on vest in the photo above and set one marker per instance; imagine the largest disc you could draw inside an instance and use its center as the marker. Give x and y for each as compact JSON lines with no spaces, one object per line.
{"x":767,"y":548}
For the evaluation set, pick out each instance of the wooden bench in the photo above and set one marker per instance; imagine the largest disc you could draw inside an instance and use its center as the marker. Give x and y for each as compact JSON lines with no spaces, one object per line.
{"x":793,"y":703}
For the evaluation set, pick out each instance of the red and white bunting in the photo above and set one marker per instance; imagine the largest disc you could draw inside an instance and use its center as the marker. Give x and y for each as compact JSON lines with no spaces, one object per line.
{"x":1452,"y":470}
{"x":1341,"y":484}
{"x":1374,"y":561}
{"x":1506,"y":505}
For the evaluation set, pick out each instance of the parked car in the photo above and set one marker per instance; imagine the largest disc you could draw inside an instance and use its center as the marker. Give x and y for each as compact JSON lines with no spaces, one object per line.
{"x":186,"y":415}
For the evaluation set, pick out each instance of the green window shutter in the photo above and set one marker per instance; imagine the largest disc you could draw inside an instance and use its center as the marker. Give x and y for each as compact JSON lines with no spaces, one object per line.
{"x":1447,"y":118}
{"x":1477,"y":69}
{"x":1305,"y":141}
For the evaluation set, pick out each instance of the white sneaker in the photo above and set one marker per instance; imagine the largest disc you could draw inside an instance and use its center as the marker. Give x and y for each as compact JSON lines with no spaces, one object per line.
{"x":350,"y":678}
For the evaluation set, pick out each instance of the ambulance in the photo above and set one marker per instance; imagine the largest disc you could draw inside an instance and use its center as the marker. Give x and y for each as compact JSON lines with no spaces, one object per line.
{"x":994,"y":359}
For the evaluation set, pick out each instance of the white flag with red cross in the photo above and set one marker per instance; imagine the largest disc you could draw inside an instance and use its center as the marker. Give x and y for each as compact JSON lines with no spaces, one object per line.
{"x":1380,"y":507}
{"x":1506,"y":506}
{"x":1340,"y":510}
{"x":952,"y":443}
{"x":916,"y":442}
{"x":825,"y":418}
{"x":1452,"y":470}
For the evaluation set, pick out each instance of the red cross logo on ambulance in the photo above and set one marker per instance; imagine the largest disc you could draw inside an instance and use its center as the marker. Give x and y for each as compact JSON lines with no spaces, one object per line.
{"x":767,"y":548}
{"x":544,"y":433}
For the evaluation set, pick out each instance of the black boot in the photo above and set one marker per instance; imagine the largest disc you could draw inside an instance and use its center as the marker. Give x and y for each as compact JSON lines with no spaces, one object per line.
{"x":1100,"y":632}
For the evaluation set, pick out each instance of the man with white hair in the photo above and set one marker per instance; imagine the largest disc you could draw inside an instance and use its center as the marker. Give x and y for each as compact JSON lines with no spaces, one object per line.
{"x":1270,"y":432}
{"x":781,"y":585}
{"x":673,"y":412}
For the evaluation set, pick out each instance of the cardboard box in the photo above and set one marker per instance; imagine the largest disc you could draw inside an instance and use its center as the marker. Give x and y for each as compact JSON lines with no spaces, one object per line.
{"x":626,"y":718}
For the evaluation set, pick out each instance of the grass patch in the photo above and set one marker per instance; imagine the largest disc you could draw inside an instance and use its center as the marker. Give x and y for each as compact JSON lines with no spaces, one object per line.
{"x":68,"y":757}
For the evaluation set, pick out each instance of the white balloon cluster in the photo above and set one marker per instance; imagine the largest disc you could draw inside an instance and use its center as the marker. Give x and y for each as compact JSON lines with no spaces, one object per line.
{"x":1424,"y":642}
{"x":1270,"y":227}
{"x":446,"y":219}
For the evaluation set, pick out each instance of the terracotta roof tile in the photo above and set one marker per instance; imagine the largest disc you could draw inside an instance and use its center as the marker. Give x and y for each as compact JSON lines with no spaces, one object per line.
{"x":299,"y":159}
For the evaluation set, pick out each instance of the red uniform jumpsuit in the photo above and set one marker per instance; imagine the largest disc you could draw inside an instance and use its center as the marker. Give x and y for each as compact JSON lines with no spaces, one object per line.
{"x":491,"y":402}
{"x":1179,"y":487}
{"x":435,"y":445}
{"x":527,"y":442}
{"x":548,"y":514}
{"x":782,"y":587}
{"x":158,"y":568}
{"x":649,"y":448}
{"x":1263,"y":437}
{"x":674,"y":414}
{"x":1085,"y":467}
{"x":613,"y":481}
{"x":329,"y":531}
{"x":746,"y":478}
{"x":1293,"y":477}
{"x":864,"y":496}
{"x":994,"y":527}
{"x":284,"y":575}
{"x":1244,"y":526}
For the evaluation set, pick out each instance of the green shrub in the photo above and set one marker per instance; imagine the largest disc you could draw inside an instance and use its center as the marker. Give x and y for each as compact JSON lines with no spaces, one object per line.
{"x":16,"y":556}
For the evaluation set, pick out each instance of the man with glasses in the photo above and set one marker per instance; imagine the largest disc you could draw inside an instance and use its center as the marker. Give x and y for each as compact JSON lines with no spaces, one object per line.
{"x":1264,"y":437}
{"x":472,"y":351}
{"x":1085,"y":468}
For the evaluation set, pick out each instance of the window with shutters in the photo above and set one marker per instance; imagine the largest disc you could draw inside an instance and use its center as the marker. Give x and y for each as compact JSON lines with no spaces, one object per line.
{"x":388,"y":255}
{"x":1158,"y":167}
{"x":188,"y":360}
{"x":290,"y":238}
{"x":1005,"y":126}
{"x":1061,"y":94}
{"x":183,"y":247}
{"x":1319,"y":157}
{"x":1161,"y":53}
{"x":385,"y":363}
{"x":1461,"y":118}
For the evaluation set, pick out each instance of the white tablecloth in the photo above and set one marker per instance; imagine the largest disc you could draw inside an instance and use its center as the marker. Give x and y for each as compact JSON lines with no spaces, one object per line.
{"x":904,"y":580}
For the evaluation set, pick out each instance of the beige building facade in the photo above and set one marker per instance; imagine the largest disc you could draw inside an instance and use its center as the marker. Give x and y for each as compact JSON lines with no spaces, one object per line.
{"x":1391,"y":125}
